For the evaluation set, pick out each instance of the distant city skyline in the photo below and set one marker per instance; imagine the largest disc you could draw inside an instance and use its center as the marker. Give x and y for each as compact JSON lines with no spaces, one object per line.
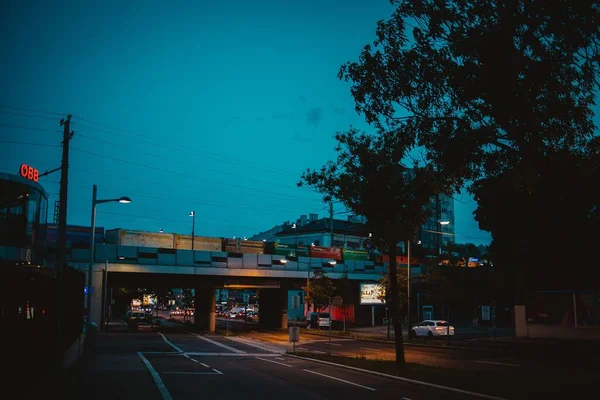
{"x":213,"y":107}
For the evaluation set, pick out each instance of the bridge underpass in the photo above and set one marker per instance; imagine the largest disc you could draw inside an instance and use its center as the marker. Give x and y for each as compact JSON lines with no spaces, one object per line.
{"x":205,"y":271}
{"x":272,"y":293}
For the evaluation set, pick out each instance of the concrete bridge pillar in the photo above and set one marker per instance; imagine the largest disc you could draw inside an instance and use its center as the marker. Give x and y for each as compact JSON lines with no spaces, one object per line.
{"x":272,"y":308}
{"x":205,"y":313}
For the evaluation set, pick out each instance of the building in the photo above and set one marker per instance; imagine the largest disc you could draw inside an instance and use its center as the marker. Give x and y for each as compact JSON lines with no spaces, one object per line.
{"x":28,"y":287}
{"x":23,"y":213}
{"x":351,"y":233}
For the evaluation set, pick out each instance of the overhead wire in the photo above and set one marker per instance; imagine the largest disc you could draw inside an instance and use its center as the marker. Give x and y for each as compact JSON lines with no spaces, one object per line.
{"x":31,"y":110}
{"x":187,"y":149}
{"x":184,"y":162}
{"x":190,"y":176}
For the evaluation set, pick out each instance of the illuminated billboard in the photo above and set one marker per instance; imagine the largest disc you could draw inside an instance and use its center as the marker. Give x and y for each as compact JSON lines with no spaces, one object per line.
{"x":371,"y":294}
{"x":149,"y":300}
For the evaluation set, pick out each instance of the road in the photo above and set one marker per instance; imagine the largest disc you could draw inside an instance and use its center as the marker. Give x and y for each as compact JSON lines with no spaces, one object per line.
{"x":551,"y":370}
{"x":185,"y":365}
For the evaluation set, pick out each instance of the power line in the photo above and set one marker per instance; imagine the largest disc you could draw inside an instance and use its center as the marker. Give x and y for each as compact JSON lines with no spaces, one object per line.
{"x":183,"y":200}
{"x":31,"y":110}
{"x":27,"y":115}
{"x":186,"y":149}
{"x":29,"y":143}
{"x":184,"y":162}
{"x":30,"y":128}
{"x":191,"y":176}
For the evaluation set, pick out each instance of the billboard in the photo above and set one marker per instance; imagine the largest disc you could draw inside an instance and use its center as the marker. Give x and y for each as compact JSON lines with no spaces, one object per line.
{"x":149,"y":300}
{"x":370,"y":294}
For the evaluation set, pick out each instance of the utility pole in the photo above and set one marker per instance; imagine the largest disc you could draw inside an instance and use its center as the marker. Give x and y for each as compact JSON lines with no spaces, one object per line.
{"x":62,"y":210}
{"x":331,"y":222}
{"x":408,"y":290}
{"x":438,"y":217}
{"x":62,"y":235}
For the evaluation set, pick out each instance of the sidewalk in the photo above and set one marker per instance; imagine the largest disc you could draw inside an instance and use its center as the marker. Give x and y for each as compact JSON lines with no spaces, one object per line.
{"x":479,"y":338}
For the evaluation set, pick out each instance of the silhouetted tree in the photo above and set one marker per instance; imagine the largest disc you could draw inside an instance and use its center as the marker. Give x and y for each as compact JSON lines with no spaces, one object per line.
{"x":370,"y":179}
{"x":319,"y":290}
{"x":499,"y":96}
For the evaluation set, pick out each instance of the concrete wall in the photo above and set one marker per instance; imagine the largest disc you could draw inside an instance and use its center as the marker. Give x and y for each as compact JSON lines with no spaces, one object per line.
{"x":523,"y":329}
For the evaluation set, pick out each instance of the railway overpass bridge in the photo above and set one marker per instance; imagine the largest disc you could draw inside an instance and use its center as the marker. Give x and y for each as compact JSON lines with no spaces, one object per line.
{"x":273,"y":275}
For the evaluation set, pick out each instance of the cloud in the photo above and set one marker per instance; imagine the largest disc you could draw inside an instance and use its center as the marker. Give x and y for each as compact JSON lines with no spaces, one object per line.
{"x":314,"y":115}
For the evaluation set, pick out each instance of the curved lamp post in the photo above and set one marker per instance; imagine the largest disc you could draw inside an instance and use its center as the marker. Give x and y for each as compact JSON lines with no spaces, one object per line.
{"x":95,"y":201}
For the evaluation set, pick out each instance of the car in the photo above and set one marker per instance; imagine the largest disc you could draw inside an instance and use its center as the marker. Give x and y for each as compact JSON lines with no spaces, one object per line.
{"x":323,"y":320}
{"x":432,"y":328}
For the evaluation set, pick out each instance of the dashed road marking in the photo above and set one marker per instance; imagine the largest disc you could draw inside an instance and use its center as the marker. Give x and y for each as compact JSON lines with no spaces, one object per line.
{"x":341,"y":380}
{"x":274,"y":362}
{"x":497,"y":363}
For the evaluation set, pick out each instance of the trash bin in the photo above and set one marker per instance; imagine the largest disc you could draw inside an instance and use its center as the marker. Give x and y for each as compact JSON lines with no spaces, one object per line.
{"x":294,"y":334}
{"x":294,"y":337}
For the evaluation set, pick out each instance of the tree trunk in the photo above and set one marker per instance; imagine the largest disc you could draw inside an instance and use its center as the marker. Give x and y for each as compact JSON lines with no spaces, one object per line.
{"x":395,"y":307}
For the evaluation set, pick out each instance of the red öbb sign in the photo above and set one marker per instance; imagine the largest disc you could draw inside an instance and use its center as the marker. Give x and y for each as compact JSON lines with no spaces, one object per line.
{"x":29,"y":172}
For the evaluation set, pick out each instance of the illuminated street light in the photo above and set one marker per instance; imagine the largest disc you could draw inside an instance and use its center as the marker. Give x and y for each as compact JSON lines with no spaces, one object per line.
{"x":160,"y":230}
{"x":95,"y":201}
{"x":193,"y":215}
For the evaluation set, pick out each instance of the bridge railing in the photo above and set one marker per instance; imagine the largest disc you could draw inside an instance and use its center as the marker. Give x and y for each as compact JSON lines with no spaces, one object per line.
{"x":217,"y":259}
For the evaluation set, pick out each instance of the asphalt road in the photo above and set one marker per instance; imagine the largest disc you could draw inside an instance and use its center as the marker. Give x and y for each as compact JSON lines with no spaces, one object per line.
{"x":548,"y":372}
{"x":191,"y":366}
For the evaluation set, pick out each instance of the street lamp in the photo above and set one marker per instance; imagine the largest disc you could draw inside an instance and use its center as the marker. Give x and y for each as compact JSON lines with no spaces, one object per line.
{"x":160,"y":230}
{"x":295,"y":236}
{"x":193,"y":215}
{"x":442,"y":224}
{"x":95,"y":201}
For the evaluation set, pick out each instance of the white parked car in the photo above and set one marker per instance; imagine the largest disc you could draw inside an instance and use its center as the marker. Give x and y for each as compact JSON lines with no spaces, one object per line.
{"x":431,"y":328}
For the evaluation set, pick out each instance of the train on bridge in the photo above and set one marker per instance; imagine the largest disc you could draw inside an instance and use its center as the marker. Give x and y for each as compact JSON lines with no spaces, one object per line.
{"x":80,"y":237}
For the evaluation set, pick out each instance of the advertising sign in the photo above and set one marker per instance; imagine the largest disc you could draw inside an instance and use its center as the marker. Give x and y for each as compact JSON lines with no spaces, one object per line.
{"x":370,"y":293}
{"x":326,"y":252}
{"x":149,"y":300}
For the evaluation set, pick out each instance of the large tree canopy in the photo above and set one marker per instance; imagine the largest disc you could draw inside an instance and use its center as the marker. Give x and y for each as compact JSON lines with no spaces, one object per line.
{"x":500,"y":96}
{"x":482,"y":84}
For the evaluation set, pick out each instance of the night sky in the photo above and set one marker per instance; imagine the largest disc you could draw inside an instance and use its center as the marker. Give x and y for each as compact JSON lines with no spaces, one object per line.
{"x":212,"y":106}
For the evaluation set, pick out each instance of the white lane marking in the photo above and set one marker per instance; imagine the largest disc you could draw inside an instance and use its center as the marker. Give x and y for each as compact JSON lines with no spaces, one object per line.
{"x":189,"y":373}
{"x":405,"y":398}
{"x":186,"y":356}
{"x":233,"y":354}
{"x":475,"y":394}
{"x":369,"y":348}
{"x":157,"y":381}
{"x":335,"y":344}
{"x":302,"y":348}
{"x":279,"y":358}
{"x":204,"y":365}
{"x":170,"y":344}
{"x":274,"y":362}
{"x":220,"y":344}
{"x":341,"y":380}
{"x":497,"y":363}
{"x":194,"y":360}
{"x":217,"y":371}
{"x":318,"y":352}
{"x":252,"y":343}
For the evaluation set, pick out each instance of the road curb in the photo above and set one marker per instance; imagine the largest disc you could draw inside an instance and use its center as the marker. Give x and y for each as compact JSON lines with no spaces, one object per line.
{"x":400,"y":378}
{"x":412,"y":344}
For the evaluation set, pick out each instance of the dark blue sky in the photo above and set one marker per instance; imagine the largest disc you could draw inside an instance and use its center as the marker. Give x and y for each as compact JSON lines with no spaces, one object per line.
{"x":216,"y":106}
